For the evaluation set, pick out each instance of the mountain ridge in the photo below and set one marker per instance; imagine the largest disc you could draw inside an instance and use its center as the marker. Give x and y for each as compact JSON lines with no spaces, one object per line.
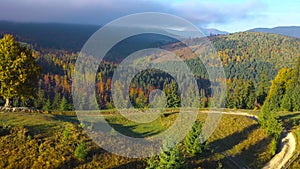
{"x":55,"y":35}
{"x":293,"y":31}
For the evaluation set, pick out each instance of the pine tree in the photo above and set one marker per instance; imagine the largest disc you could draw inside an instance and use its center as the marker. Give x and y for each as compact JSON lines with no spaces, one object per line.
{"x":168,"y":159}
{"x":270,"y":122}
{"x":47,"y":105}
{"x":173,"y":100}
{"x":63,"y":104}
{"x":293,"y":90}
{"x":193,"y":141}
{"x":278,"y":89}
{"x":56,"y":101}
{"x":39,"y":101}
{"x":250,"y":99}
{"x":171,"y":159}
{"x":262,"y":89}
{"x":287,"y":100}
{"x":18,"y":70}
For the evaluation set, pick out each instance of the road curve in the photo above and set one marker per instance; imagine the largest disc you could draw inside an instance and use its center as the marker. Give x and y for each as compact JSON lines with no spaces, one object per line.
{"x":288,"y":146}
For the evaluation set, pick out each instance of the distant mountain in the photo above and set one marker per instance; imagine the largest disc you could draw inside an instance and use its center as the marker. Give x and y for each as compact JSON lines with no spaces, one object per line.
{"x":70,"y":37}
{"x":293,"y":31}
{"x":212,"y":31}
{"x":50,"y":35}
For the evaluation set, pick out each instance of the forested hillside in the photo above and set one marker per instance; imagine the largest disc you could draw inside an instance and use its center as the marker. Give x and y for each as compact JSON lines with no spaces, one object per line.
{"x":249,"y":59}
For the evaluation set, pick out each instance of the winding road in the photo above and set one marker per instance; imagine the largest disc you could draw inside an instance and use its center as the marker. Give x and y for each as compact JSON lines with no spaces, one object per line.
{"x":288,"y":146}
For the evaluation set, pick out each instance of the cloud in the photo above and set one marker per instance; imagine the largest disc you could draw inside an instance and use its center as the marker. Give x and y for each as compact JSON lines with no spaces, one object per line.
{"x":209,"y":12}
{"x":103,"y":11}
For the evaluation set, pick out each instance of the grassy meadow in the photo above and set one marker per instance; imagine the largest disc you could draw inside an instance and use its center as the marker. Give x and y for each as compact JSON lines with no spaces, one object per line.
{"x":53,"y":141}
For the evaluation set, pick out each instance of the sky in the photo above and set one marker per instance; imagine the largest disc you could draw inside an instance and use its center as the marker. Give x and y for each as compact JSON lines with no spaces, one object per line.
{"x":226,"y":15}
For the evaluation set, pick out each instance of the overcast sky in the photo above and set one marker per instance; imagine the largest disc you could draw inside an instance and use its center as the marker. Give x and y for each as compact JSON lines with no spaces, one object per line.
{"x":228,"y":15}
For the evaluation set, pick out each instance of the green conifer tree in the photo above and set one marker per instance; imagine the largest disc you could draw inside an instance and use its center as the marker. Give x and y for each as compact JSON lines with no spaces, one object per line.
{"x":193,"y":141}
{"x":63,"y":104}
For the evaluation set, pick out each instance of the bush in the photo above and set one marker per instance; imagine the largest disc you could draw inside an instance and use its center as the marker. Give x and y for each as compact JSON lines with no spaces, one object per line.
{"x":81,"y":151}
{"x":66,"y":134}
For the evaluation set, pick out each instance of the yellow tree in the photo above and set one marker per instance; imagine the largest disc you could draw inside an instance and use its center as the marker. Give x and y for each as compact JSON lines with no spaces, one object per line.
{"x":18,"y":70}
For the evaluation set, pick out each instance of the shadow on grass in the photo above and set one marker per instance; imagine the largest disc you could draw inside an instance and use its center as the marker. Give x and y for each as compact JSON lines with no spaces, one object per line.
{"x":291,"y":120}
{"x":251,"y":156}
{"x":44,"y":129}
{"x":133,"y":164}
{"x":227,"y":143}
{"x":167,"y":114}
{"x":289,"y":116}
{"x":247,"y":158}
{"x":128,"y":131}
{"x":67,"y":118}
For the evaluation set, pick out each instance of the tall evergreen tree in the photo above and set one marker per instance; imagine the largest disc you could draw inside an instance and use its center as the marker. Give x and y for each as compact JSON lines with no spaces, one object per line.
{"x":277,"y":90}
{"x":63,"y":104}
{"x":262,"y":89}
{"x":173,"y":100}
{"x":40,"y":100}
{"x":56,"y":101}
{"x":250,"y":92}
{"x":172,"y":159}
{"x":47,"y":105}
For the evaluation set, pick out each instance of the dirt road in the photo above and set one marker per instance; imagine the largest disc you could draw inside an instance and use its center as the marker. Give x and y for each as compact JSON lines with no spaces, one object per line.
{"x":288,"y":146}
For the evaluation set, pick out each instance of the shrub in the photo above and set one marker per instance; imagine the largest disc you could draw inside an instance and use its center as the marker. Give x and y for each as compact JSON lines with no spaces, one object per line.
{"x":153,"y":162}
{"x":66,"y":134}
{"x":81,"y":151}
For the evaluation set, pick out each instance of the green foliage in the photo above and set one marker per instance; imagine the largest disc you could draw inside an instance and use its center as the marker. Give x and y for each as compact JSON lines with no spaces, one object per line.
{"x":171,"y":159}
{"x":249,"y":95}
{"x":241,"y":94}
{"x":63,"y":105}
{"x":220,"y":166}
{"x":18,"y":70}
{"x":56,"y":101}
{"x":285,"y":91}
{"x":47,"y":105}
{"x":81,"y":151}
{"x":278,"y":89}
{"x":29,"y":137}
{"x":153,"y":162}
{"x":173,"y":100}
{"x":276,"y":100}
{"x":40,"y":99}
{"x":193,"y":142}
{"x":291,"y":98}
{"x":66,"y":134}
{"x":262,"y":90}
{"x":273,"y":147}
{"x":270,"y":122}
